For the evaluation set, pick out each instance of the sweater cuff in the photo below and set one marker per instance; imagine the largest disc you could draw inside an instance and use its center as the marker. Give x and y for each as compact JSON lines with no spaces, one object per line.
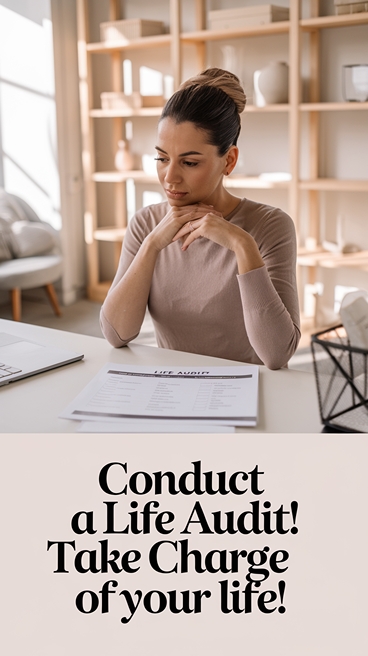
{"x":256,"y":289}
{"x":110,"y":333}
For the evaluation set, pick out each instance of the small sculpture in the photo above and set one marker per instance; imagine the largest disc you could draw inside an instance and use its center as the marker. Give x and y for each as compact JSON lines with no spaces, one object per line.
{"x":124,"y":160}
{"x":271,"y":84}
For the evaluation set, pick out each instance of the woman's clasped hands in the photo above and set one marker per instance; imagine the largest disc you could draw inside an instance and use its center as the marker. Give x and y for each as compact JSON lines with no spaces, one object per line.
{"x":204,"y":221}
{"x":211,"y":225}
{"x":189,"y":222}
{"x":174,"y":222}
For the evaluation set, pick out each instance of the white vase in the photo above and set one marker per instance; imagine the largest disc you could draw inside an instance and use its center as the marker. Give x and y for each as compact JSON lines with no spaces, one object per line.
{"x":124,"y":160}
{"x":271,"y":84}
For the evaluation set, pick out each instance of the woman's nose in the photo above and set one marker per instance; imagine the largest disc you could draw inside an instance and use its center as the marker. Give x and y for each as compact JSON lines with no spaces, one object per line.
{"x":172,"y":173}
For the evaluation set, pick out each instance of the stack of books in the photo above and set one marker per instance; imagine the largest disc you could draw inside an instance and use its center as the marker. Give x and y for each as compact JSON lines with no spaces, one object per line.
{"x":244,"y":16}
{"x":346,"y":7}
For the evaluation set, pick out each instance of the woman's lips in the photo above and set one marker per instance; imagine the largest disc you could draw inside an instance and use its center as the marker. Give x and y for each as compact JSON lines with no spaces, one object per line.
{"x":175,"y":195}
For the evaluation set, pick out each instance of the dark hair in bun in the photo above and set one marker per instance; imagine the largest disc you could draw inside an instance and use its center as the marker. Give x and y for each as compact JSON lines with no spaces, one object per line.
{"x":213,"y":101}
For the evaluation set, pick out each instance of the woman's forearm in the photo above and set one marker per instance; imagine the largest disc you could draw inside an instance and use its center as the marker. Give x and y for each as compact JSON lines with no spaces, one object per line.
{"x":247,"y":253}
{"x":271,"y":317}
{"x":124,"y":308}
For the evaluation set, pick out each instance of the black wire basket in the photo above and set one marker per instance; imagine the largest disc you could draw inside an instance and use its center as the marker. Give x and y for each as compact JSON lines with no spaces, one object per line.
{"x":342,"y":383}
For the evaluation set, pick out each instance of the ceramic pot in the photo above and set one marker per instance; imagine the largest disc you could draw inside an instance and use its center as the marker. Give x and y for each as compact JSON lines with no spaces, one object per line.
{"x":124,"y":160}
{"x":271,"y":84}
{"x":355,"y":82}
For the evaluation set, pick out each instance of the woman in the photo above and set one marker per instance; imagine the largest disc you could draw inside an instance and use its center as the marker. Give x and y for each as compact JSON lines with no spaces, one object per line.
{"x":217,"y":271}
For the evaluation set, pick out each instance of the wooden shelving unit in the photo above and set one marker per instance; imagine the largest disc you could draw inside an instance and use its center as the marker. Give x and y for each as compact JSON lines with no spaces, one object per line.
{"x":125,"y":113}
{"x":332,"y":260}
{"x":132,"y":44}
{"x":314,"y":109}
{"x":87,"y":50}
{"x":202,"y":36}
{"x":174,"y":43}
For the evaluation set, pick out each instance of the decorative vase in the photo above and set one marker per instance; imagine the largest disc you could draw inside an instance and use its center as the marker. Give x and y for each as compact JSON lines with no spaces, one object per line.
{"x":355,"y":82}
{"x":124,"y":160}
{"x":271,"y":84}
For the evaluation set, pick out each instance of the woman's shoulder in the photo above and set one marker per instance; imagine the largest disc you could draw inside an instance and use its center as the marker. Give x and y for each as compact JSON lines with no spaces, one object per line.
{"x":254,"y":216}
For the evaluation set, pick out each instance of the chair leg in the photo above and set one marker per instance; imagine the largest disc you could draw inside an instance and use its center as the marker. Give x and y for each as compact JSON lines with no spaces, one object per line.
{"x":16,"y":301}
{"x":51,"y":293}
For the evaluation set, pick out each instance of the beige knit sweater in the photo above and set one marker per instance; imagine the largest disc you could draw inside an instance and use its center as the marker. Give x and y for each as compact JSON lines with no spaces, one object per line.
{"x":200,"y":304}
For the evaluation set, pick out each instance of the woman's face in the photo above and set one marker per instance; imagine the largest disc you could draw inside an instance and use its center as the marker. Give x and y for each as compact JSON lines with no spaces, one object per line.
{"x":189,"y":169}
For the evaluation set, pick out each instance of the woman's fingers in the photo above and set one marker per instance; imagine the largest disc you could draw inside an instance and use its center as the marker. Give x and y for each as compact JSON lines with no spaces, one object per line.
{"x":211,"y":226}
{"x":191,"y":237}
{"x":179,"y":222}
{"x":195,"y":222}
{"x":184,"y":230}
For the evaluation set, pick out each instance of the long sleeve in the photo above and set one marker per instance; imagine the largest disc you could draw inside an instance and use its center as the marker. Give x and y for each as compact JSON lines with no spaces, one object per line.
{"x":109,"y":321}
{"x":269,"y":294}
{"x":200,"y":304}
{"x":269,"y":323}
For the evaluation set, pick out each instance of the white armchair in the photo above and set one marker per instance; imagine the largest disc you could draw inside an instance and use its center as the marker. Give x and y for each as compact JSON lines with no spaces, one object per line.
{"x":30,"y":254}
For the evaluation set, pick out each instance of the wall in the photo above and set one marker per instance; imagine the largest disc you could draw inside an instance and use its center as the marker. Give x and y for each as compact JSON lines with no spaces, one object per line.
{"x":38,"y":101}
{"x":64,"y":22}
{"x":28,"y":113}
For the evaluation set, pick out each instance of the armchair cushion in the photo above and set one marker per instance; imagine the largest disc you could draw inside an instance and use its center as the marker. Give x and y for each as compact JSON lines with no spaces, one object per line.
{"x":30,"y":272}
{"x":31,"y":238}
{"x":22,"y":233}
{"x":6,"y":241}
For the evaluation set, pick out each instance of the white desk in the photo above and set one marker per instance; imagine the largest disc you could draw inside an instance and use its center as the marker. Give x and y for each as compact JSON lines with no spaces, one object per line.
{"x":287,"y":398}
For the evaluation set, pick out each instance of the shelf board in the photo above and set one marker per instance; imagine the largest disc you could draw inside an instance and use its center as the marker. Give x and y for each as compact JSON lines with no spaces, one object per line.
{"x":333,"y":106}
{"x":343,"y":20}
{"x":233,"y":181}
{"x":156,"y":111}
{"x":109,"y":234}
{"x":116,"y":113}
{"x":333,"y":184}
{"x":278,"y":27}
{"x":247,"y":182}
{"x":280,"y":107}
{"x":329,"y":260}
{"x":241,"y":181}
{"x":158,"y":41}
{"x":122,"y":176}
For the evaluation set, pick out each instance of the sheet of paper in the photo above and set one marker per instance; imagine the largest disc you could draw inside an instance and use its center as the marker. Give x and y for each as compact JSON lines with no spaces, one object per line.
{"x":216,"y":395}
{"x":151,"y":426}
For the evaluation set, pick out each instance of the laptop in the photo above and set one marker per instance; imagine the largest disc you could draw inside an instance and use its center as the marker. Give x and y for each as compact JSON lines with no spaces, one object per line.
{"x":21,"y":357}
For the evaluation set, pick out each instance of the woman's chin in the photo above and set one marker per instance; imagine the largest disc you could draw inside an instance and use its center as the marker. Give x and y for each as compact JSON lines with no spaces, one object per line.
{"x":178,"y":202}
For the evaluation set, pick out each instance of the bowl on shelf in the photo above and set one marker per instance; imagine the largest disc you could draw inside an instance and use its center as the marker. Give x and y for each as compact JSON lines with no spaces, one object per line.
{"x":355,"y":82}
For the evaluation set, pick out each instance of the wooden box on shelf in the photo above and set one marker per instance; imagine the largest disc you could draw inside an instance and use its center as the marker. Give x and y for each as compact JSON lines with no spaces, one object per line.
{"x":352,"y":7}
{"x":222,"y":19}
{"x":120,"y":100}
{"x":130,"y":29}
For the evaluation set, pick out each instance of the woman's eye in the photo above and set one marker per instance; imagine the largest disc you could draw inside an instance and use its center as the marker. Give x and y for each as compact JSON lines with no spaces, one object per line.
{"x":160,"y":159}
{"x":190,"y":163}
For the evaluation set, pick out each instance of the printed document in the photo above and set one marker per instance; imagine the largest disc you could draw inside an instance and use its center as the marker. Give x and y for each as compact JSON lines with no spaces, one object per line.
{"x":212,"y":395}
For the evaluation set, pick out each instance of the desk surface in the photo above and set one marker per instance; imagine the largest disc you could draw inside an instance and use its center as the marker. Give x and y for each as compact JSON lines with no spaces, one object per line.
{"x":287,"y":398}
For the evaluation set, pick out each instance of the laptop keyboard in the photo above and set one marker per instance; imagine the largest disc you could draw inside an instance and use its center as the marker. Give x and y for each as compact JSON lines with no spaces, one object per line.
{"x":7,"y":370}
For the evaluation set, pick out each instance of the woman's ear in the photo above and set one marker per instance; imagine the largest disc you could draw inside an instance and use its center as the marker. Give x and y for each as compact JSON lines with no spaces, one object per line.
{"x":231,"y":159}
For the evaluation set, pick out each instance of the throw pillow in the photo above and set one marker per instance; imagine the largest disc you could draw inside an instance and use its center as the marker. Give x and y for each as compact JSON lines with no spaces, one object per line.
{"x":31,"y":238}
{"x":6,"y":241}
